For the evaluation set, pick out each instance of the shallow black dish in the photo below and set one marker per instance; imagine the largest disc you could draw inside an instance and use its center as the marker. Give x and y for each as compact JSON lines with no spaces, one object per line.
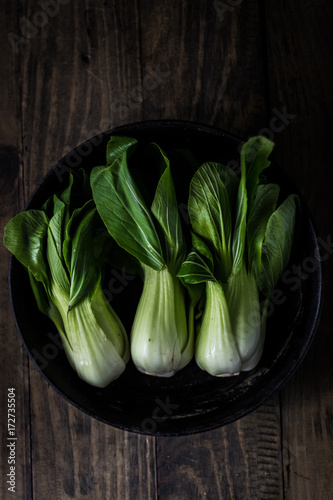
{"x":191,"y":401}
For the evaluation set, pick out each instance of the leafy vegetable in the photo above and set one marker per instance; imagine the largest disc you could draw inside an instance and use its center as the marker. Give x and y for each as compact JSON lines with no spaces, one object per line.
{"x":65,"y":254}
{"x":241,"y":245}
{"x":160,"y":341}
{"x":211,"y":303}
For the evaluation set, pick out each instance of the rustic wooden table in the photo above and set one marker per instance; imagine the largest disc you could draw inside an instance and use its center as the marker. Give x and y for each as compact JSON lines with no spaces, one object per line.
{"x":70,"y":70}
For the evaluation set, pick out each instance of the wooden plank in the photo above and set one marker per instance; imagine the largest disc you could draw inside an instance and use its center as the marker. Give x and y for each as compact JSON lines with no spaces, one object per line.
{"x":79,"y":71}
{"x":71,"y":95}
{"x":196,"y":62}
{"x":15,"y":441}
{"x":238,"y":461}
{"x":241,"y":460}
{"x":300,"y":57}
{"x":215,"y":74}
{"x":211,"y":63}
{"x":77,"y":457}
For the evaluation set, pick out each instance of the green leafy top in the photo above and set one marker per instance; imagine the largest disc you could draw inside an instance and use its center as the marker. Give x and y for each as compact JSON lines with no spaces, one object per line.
{"x":60,"y":247}
{"x":254,"y":159}
{"x":153,"y":236}
{"x":236,"y":222}
{"x":277,"y":244}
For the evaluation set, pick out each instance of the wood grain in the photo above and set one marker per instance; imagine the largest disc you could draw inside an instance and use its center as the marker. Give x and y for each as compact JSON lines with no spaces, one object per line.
{"x":250,"y":68}
{"x":13,"y":360}
{"x":242,"y":460}
{"x":239,"y":461}
{"x":75,"y":456}
{"x":78,"y":70}
{"x":214,"y":66}
{"x":300,"y":57}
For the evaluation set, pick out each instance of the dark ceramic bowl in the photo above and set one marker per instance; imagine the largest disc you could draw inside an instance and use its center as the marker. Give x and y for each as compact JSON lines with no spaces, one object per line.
{"x":191,"y":401}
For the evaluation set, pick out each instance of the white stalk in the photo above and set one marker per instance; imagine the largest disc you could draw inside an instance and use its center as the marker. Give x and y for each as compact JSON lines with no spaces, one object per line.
{"x":244,"y":308}
{"x":216,"y":350}
{"x":160,"y":344}
{"x":254,"y":360}
{"x":94,"y":339}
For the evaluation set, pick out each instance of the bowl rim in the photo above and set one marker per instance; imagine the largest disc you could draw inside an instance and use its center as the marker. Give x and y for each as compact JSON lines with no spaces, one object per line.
{"x":277,"y":381}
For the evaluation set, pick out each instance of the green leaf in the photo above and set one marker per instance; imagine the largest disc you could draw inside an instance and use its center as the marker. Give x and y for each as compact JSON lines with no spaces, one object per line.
{"x":65,"y":195}
{"x":238,"y":242}
{"x":231,"y":183}
{"x":277,"y":244}
{"x":125,"y":214}
{"x":254,"y":154}
{"x":165,"y":210}
{"x":193,"y":274}
{"x":264,"y":204}
{"x":70,"y":229}
{"x":47,"y":207}
{"x":25,"y":236}
{"x":157,"y":160}
{"x":85,"y":250}
{"x":58,"y":204}
{"x":101,"y":242}
{"x":54,"y":252}
{"x":86,"y":189}
{"x":117,"y":146}
{"x":254,"y":158}
{"x":85,"y":271}
{"x":195,"y":270}
{"x":209,"y":211}
{"x":44,"y":302}
{"x":40,"y":293}
{"x":199,"y":245}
